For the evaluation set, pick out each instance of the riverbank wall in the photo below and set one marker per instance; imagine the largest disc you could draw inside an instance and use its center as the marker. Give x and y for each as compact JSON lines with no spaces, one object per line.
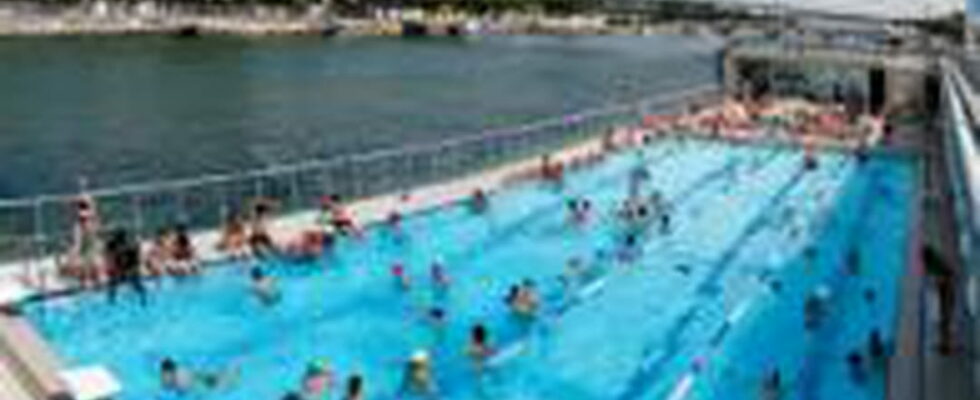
{"x":34,"y":18}
{"x":37,"y":18}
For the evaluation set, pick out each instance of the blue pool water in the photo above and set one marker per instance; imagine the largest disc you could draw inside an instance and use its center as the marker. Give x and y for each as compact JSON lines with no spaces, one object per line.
{"x":743,"y":218}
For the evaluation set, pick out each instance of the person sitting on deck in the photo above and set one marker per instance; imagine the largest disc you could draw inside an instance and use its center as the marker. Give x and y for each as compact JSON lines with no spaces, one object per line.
{"x":175,"y":378}
{"x":259,"y":238}
{"x":264,"y":287}
{"x":609,"y":144}
{"x":552,"y":171}
{"x":183,"y":254}
{"x":339,"y":217}
{"x":158,"y":259}
{"x":234,"y":238}
{"x":307,"y":247}
{"x":418,"y":379}
{"x":479,"y":349}
{"x":123,"y":255}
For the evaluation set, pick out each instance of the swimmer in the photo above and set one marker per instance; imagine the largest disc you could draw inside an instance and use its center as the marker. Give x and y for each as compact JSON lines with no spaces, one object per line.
{"x":772,"y":385}
{"x":524,"y":299}
{"x":876,"y":347}
{"x":579,"y":210}
{"x":440,"y":279}
{"x":355,"y":388}
{"x":853,"y":262}
{"x":855,"y":364}
{"x":264,"y":287}
{"x":810,"y":162}
{"x":292,"y":396}
{"x":317,"y":380}
{"x":812,"y":311}
{"x":418,"y":379}
{"x":233,"y":237}
{"x":479,"y":201}
{"x":638,"y":176}
{"x":401,"y":278}
{"x":573,"y":274}
{"x":183,"y":254}
{"x":394,"y":221}
{"x":157,"y":259}
{"x":479,"y":349}
{"x":177,"y":379}
{"x":308,"y":246}
{"x":123,"y":256}
{"x":665,"y":223}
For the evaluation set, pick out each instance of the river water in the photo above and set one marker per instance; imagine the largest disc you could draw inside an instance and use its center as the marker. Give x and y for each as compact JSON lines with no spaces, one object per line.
{"x":135,"y":109}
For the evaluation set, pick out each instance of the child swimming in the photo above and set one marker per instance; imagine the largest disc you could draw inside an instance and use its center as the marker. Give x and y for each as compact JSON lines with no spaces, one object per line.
{"x":175,"y":378}
{"x":264,"y":287}
{"x":418,"y":378}
{"x":479,"y":349}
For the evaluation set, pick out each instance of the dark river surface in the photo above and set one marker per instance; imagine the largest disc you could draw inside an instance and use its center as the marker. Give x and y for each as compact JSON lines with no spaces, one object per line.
{"x":137,"y":109}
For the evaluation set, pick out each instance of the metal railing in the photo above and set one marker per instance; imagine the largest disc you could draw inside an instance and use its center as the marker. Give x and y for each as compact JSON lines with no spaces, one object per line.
{"x":32,"y":228}
{"x":962,"y":150}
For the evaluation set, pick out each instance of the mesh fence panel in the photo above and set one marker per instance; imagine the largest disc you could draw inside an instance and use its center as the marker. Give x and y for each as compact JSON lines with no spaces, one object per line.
{"x":43,"y":226}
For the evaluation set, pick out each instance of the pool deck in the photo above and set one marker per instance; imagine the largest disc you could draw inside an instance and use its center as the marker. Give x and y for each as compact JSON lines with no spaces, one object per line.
{"x":38,"y":360}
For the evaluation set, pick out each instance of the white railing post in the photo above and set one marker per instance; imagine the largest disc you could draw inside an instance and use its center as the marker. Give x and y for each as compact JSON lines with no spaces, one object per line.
{"x":257,"y":188}
{"x":37,"y":240}
{"x":137,"y":217}
{"x":294,"y":191}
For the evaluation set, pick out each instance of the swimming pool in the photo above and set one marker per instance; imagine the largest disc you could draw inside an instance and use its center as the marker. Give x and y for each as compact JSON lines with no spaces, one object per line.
{"x":701,"y":312}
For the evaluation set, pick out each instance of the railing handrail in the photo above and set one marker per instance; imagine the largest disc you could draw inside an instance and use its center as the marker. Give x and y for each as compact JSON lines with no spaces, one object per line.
{"x":146,"y":188}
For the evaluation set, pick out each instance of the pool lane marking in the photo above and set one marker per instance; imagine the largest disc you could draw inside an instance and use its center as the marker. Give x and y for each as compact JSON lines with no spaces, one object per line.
{"x":811,"y":371}
{"x":594,"y":288}
{"x":684,"y":385}
{"x":758,"y":223}
{"x":682,"y":388}
{"x":651,"y":366}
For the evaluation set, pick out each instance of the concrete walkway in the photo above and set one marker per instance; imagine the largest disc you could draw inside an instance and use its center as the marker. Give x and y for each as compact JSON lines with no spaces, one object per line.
{"x":10,"y":387}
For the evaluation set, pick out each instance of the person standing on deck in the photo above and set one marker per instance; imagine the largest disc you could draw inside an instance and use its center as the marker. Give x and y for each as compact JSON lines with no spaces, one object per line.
{"x":85,"y":260}
{"x":124,"y":261}
{"x":944,"y":280}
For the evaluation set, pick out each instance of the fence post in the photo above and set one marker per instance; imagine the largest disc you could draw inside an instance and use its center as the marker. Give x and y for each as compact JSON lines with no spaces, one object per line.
{"x":37,"y":240}
{"x":352,"y":181}
{"x":137,"y":218}
{"x":294,"y":192}
{"x":257,"y":187}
